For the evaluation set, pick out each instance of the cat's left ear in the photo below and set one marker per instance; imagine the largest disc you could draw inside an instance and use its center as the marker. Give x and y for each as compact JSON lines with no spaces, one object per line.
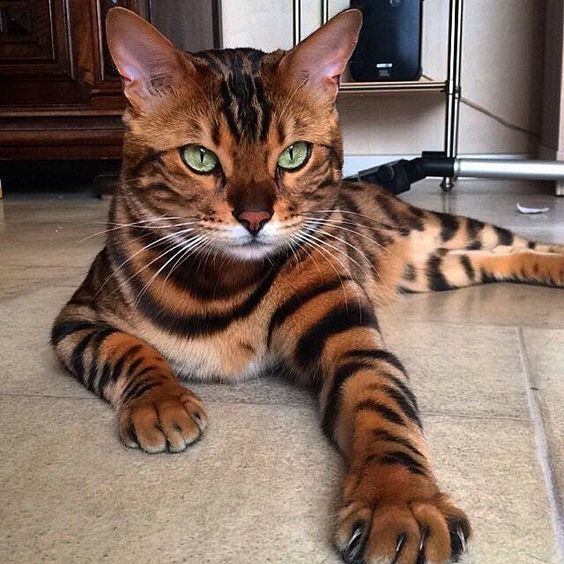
{"x":146,"y":60}
{"x":319,"y":60}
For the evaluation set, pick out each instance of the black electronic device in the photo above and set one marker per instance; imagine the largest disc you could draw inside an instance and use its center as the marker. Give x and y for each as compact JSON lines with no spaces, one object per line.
{"x":389,"y":45}
{"x":398,"y":176}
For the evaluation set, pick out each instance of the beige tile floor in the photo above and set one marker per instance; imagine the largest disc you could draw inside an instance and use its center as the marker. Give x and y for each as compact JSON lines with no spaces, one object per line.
{"x":487,"y":363}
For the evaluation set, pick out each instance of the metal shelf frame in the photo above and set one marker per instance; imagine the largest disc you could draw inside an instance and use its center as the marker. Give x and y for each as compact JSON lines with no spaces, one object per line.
{"x":531,"y":169}
{"x":451,"y":87}
{"x":393,"y":87}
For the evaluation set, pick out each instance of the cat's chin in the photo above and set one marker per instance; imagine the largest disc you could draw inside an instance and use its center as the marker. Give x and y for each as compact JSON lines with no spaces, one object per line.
{"x":251,"y":251}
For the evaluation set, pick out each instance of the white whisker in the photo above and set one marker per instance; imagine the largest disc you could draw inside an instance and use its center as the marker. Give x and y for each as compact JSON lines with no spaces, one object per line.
{"x":291,"y":243}
{"x":161,"y":255}
{"x":146,"y":247}
{"x":327,"y":234}
{"x":207,"y":249}
{"x":337,"y":223}
{"x":380,"y":224}
{"x":192,"y":243}
{"x":324,"y":254}
{"x":137,"y":225}
{"x":187,"y":252}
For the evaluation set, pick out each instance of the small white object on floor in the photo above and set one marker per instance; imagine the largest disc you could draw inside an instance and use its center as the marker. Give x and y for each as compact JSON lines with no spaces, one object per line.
{"x":523,"y":209}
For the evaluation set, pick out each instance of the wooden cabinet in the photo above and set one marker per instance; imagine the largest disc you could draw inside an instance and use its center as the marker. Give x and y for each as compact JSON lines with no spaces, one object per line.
{"x":60,"y":95}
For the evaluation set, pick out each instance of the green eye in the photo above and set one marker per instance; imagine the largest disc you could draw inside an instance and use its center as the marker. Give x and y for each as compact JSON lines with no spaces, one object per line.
{"x":198,"y":158}
{"x":294,"y":156}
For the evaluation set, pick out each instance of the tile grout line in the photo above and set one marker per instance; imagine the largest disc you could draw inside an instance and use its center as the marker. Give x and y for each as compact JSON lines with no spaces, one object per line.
{"x":308,"y":405}
{"x":464,"y":325}
{"x":543,"y":450}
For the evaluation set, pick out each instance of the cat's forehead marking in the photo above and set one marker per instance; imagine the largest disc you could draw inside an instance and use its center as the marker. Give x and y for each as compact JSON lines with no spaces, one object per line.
{"x":243,"y":100}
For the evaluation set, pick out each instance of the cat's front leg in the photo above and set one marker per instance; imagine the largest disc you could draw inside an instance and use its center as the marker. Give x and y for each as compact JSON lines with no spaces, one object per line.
{"x":155,"y":412}
{"x":392,"y":509}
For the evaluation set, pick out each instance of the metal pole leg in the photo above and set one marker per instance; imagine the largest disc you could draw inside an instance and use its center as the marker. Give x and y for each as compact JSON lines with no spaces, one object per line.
{"x":453,"y":85}
{"x":324,"y":11}
{"x":297,"y":21}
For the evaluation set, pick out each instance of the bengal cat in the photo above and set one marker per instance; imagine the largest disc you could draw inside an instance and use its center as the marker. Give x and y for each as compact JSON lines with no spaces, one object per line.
{"x":234,"y":246}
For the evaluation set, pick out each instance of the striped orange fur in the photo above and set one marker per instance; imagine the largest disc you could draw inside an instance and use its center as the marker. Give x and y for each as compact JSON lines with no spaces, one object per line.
{"x":224,"y":258}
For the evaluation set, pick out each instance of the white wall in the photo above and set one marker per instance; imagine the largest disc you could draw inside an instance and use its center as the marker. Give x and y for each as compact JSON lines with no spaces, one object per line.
{"x":502,"y":73}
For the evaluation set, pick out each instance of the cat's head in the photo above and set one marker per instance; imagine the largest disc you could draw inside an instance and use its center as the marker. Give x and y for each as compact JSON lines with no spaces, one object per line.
{"x":235,"y":148}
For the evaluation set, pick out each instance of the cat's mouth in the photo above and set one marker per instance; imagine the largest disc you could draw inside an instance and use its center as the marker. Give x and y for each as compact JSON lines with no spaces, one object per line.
{"x":253,"y":249}
{"x":271,"y":240}
{"x":255,"y":241}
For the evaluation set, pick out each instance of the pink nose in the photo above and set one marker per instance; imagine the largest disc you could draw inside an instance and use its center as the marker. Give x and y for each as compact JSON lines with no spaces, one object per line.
{"x":253,"y":221}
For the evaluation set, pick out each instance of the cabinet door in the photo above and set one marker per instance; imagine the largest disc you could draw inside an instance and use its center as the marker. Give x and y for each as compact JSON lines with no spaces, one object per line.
{"x":53,"y":53}
{"x":35,"y":62}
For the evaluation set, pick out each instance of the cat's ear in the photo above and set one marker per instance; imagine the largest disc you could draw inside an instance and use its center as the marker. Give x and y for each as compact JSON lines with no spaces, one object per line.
{"x":320,"y":59}
{"x":146,"y":60}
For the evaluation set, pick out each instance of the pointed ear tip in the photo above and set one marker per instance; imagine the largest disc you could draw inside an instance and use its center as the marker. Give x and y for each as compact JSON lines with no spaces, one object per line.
{"x":117,"y":12}
{"x":354,"y":15}
{"x":113,"y":17}
{"x":119,"y":16}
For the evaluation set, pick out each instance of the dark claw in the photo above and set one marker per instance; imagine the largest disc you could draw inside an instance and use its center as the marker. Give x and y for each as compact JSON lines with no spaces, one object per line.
{"x":132,"y":434}
{"x":171,"y":451}
{"x":352,"y":553}
{"x":421,"y":558}
{"x":459,"y":533}
{"x":399,"y":546}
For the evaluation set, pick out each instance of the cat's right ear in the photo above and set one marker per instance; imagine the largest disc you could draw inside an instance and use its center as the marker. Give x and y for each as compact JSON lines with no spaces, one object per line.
{"x":146,"y":60}
{"x":317,"y":63}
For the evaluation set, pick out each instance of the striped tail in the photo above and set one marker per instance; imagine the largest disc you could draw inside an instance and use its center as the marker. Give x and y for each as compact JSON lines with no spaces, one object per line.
{"x":453,"y":252}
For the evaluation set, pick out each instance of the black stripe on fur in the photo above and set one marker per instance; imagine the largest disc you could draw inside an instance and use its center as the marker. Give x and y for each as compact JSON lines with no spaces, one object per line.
{"x":339,"y":319}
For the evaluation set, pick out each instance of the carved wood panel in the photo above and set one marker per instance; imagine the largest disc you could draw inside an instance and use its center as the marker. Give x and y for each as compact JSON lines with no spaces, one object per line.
{"x":26,"y":30}
{"x":35,"y":62}
{"x":33,"y":37}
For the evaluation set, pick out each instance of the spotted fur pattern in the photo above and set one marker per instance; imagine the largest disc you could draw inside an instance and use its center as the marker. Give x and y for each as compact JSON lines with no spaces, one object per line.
{"x":181,"y":291}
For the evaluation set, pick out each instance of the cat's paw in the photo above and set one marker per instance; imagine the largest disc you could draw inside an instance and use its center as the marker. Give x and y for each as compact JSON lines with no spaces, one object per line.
{"x":166,"y":418}
{"x":408,"y":530}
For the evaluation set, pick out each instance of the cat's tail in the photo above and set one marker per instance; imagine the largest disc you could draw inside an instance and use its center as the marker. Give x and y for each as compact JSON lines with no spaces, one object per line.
{"x":454,"y":251}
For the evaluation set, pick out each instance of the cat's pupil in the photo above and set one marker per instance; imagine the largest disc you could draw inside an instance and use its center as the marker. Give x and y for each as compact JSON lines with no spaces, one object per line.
{"x":202,"y":154}
{"x":291,"y":152}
